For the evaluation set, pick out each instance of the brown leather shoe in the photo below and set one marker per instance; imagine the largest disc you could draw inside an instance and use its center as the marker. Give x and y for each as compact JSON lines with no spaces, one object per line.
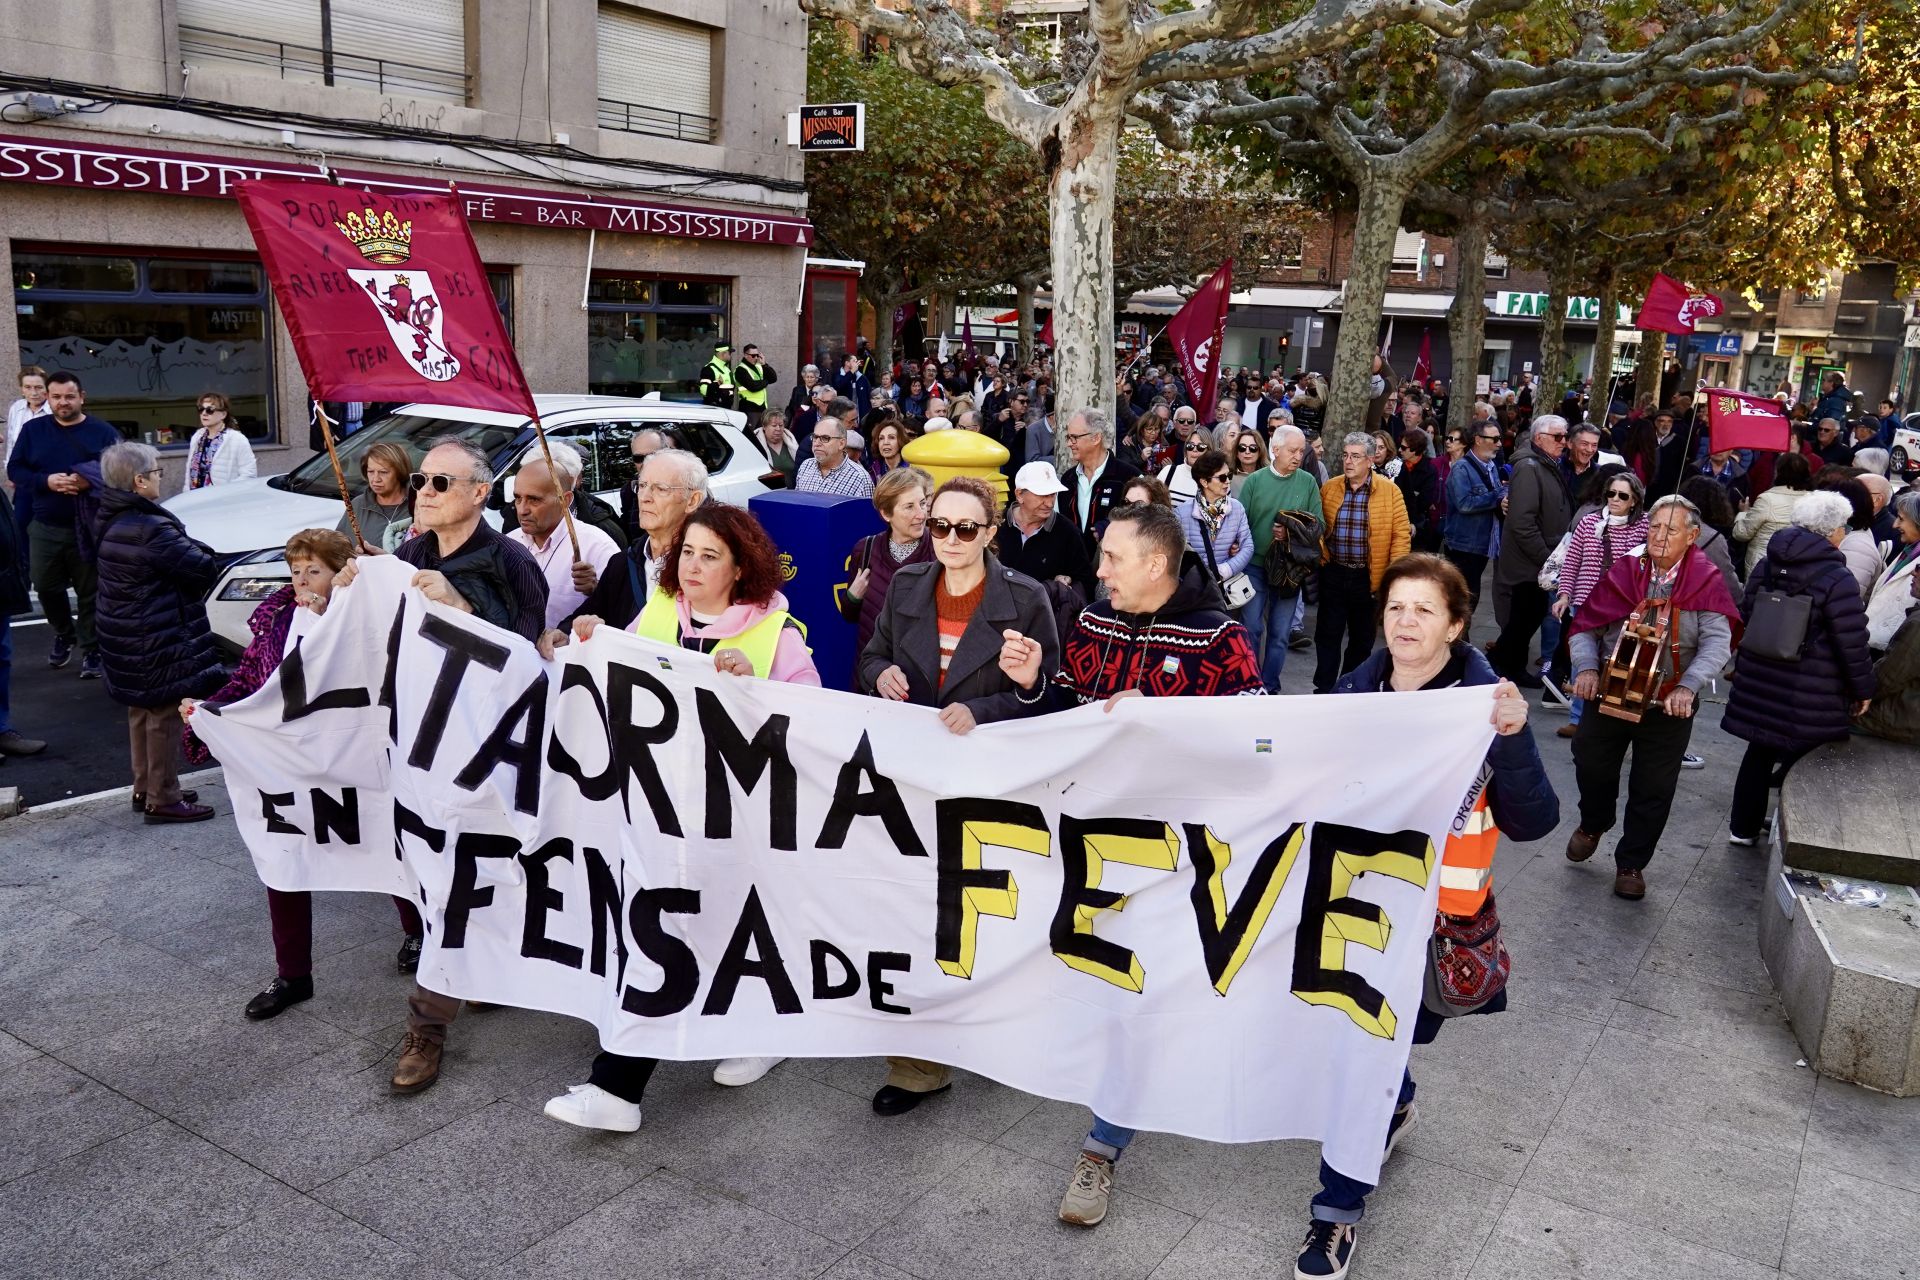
{"x":1566,"y":731}
{"x":419,"y":1064}
{"x":1629,"y":884}
{"x":1581,"y":845}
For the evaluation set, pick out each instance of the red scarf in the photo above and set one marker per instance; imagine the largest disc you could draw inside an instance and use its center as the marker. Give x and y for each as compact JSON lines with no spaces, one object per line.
{"x":1697,"y":587}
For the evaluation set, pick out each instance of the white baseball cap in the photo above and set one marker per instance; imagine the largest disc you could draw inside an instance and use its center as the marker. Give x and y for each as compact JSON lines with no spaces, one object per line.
{"x":1038,"y":476}
{"x":855,"y":440}
{"x":938,"y":423}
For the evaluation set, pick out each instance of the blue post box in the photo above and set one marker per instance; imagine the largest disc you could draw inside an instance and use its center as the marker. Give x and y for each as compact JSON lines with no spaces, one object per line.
{"x":816,"y":533}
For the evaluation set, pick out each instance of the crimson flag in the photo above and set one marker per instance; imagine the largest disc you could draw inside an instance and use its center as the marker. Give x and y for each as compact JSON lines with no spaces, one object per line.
{"x":1046,"y":332}
{"x":1423,"y":363}
{"x":1736,"y":420}
{"x":1198,"y":332}
{"x":1673,"y":308}
{"x":384,"y":295}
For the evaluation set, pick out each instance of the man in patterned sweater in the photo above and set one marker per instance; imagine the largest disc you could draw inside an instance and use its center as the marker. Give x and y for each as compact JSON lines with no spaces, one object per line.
{"x":1159,"y":633}
{"x":1162,"y":634}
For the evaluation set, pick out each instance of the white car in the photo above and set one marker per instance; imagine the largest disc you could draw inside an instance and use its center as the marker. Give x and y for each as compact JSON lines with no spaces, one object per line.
{"x":248,"y":523}
{"x":1906,"y":445}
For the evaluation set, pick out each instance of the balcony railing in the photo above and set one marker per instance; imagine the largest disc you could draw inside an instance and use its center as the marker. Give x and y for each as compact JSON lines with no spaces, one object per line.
{"x":323,"y":66}
{"x":630,"y":117}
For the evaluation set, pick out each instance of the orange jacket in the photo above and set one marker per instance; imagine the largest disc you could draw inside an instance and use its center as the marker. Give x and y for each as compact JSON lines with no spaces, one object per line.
{"x":1389,"y":534}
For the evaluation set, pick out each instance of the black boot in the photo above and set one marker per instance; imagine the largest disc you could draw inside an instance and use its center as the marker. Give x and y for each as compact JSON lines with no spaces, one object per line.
{"x":281,"y":994}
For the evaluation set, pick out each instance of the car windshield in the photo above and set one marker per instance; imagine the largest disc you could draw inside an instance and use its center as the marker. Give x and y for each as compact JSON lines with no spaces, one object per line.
{"x":412,"y":432}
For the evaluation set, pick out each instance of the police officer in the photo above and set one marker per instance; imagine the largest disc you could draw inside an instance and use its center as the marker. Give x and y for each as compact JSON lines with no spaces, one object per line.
{"x":751,"y":378}
{"x":716,"y":380}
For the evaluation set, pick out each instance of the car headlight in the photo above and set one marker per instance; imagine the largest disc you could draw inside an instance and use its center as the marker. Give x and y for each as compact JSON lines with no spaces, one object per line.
{"x":252,"y":588}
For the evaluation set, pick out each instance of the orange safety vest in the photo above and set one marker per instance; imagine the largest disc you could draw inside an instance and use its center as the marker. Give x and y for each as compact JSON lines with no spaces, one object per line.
{"x":1466,"y":864}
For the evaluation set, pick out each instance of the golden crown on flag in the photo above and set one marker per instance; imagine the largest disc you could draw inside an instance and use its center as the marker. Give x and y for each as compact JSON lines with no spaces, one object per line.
{"x":380,"y":237}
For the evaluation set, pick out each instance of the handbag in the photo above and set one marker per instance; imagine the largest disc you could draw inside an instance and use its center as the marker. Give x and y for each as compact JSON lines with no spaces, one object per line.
{"x":1467,"y":962}
{"x":1549,"y":575}
{"x":1778,"y":627}
{"x":1238,"y":589}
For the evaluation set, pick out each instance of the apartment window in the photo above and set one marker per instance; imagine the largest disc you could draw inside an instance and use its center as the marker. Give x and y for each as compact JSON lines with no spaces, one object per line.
{"x":415,"y":47}
{"x":1496,"y":265}
{"x":1410,"y":253}
{"x":656,"y":75}
{"x":1039,"y":37}
{"x":149,"y":336}
{"x":651,"y":333}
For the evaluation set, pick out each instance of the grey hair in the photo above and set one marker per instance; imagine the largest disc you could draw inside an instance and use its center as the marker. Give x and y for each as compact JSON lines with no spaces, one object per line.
{"x":1482,"y":411}
{"x":1876,"y":460}
{"x":476,"y":456}
{"x":969,"y":421}
{"x":1284,"y":432}
{"x":1692,"y":512}
{"x":1548,"y":420}
{"x":122,"y":463}
{"x":1823,"y":512}
{"x":1586,"y":429}
{"x":1281,"y":414}
{"x":693,"y":472}
{"x":1097,"y":420}
{"x":1824,"y":421}
{"x":1361,"y":439}
{"x":655,"y":432}
{"x":568,"y":465}
{"x":1907,"y":503}
{"x":813,"y":369}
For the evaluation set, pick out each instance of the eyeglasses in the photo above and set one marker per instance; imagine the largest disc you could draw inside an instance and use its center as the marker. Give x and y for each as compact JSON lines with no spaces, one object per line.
{"x":154,"y":472}
{"x":211,"y":408}
{"x":965,"y":530}
{"x":1075,"y":437}
{"x":441,"y":482}
{"x":1621,"y":494}
{"x":1489,"y":435}
{"x":657,"y":490}
{"x":1196,"y":448}
{"x":1247,"y":448}
{"x":827,"y":435}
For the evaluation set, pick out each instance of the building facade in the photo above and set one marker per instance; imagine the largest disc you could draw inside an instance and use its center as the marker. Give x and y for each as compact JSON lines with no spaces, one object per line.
{"x":623,"y":163}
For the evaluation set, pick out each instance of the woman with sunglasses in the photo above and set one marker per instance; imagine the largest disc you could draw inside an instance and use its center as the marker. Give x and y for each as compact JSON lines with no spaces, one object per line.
{"x":1178,"y":476}
{"x":1216,"y":525}
{"x":217,"y":453}
{"x":938,"y":644}
{"x":1600,"y":537}
{"x":719,"y":594}
{"x":1249,"y":458}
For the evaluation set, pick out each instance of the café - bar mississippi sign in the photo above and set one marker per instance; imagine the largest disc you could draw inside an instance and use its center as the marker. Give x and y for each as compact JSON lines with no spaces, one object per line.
{"x":60,"y":163}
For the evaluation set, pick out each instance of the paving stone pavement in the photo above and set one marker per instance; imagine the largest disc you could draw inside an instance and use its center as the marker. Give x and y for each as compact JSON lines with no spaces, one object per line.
{"x":1639,"y":1113}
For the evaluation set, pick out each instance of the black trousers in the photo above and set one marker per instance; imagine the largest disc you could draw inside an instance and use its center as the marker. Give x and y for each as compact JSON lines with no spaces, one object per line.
{"x":625,"y":1078}
{"x":1346,"y":610}
{"x":1761,"y":770}
{"x":1471,"y":566}
{"x":1526,"y":610}
{"x":1599,"y":748}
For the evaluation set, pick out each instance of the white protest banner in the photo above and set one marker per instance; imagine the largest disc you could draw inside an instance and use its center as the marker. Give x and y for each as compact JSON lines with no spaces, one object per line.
{"x":1206,"y":916}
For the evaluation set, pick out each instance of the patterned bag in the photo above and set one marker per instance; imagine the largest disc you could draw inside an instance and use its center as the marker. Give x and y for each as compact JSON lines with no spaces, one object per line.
{"x":1467,"y":963}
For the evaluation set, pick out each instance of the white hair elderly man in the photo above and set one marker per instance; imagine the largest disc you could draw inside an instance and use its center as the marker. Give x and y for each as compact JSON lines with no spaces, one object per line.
{"x":541,"y":498}
{"x":1284,"y":484}
{"x":1097,"y":477}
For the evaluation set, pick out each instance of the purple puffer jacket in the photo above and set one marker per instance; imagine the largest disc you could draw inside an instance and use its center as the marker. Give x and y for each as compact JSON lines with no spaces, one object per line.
{"x":269,"y":624}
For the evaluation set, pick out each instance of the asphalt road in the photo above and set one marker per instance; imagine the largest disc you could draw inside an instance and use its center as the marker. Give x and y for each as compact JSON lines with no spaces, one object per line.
{"x":85,"y":730}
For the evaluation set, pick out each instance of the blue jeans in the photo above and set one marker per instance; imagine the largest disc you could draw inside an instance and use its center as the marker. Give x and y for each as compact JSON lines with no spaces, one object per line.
{"x":1550,"y":629}
{"x":1272,"y":617}
{"x":6,"y":673}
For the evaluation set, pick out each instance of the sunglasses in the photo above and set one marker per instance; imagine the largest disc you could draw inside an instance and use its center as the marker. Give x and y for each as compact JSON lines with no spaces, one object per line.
{"x":441,"y":482}
{"x":210,"y":408}
{"x":1196,"y":448}
{"x":1621,"y":494}
{"x":965,"y":530}
{"x":1247,"y":448}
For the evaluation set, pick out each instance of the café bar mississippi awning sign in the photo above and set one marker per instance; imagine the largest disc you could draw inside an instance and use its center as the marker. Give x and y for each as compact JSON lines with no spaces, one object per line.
{"x":55,"y":162}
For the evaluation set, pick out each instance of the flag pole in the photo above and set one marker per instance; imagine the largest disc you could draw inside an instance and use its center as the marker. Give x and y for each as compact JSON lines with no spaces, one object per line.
{"x":339,"y":476}
{"x":566,"y":508}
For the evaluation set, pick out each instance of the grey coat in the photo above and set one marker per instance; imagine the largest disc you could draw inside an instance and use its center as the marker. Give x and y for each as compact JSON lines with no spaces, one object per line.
{"x":907,"y":635}
{"x":1539,"y":512}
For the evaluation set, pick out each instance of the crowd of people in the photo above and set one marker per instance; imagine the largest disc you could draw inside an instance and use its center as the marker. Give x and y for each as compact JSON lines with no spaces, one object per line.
{"x":1165,"y":558}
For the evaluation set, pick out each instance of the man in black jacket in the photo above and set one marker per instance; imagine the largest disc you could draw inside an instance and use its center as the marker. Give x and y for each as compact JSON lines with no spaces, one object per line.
{"x":1041,"y":543}
{"x":13,"y":599}
{"x":1097,"y":479}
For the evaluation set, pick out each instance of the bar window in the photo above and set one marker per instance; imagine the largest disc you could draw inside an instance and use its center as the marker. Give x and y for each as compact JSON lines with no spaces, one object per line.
{"x":648,"y":334}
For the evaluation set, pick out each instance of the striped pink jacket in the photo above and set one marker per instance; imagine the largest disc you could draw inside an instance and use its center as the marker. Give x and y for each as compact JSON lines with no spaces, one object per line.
{"x":1589,"y":556}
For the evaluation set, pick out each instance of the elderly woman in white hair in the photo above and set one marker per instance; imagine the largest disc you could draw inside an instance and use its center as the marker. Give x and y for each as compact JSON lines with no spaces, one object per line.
{"x":1785,"y":704}
{"x":155,"y":643}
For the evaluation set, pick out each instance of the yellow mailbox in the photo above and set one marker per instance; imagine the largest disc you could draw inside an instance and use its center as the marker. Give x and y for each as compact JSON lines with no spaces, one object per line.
{"x":946,"y":454}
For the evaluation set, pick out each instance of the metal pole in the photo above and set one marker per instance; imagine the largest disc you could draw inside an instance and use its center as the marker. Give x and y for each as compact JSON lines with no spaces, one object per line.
{"x":339,"y":476}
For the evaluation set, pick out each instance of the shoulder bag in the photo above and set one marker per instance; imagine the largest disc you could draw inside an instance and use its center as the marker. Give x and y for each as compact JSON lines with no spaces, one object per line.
{"x":1778,"y":628}
{"x":1467,"y":962}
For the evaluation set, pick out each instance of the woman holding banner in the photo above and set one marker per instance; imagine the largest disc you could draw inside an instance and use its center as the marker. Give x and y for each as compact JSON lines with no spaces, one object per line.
{"x":937,"y":644}
{"x":314,"y":556}
{"x":719,"y":594}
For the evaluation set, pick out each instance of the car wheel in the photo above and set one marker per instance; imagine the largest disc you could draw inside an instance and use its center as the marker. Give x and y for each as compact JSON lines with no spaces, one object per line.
{"x":1900,"y":460}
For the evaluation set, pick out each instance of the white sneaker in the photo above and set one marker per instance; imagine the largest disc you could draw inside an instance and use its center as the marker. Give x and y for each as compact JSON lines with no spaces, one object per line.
{"x":588,"y":1106}
{"x":739,"y":1071}
{"x":1691,"y":761}
{"x":1745,"y":842}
